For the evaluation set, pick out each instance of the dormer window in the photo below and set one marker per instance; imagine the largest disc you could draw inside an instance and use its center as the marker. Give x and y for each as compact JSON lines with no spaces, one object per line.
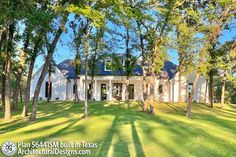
{"x":108,"y":64}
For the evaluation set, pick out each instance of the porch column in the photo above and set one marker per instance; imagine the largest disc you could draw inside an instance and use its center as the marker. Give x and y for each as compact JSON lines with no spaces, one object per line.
{"x":169,"y":91}
{"x":173,"y":91}
{"x":110,"y":91}
{"x":155,"y":90}
{"x":95,"y":90}
{"x":123,"y":91}
{"x":80,"y":89}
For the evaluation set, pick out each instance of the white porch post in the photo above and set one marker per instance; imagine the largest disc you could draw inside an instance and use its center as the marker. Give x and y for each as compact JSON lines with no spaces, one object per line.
{"x":95,"y":90}
{"x":80,"y":89}
{"x":123,"y":91}
{"x":110,"y":91}
{"x":67,"y":84}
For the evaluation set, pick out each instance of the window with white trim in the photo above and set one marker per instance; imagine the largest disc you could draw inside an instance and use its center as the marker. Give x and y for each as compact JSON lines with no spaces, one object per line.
{"x":108,"y":65}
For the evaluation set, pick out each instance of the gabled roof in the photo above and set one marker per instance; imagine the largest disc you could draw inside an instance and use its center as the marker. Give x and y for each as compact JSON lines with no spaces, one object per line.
{"x":40,"y":69}
{"x":66,"y":67}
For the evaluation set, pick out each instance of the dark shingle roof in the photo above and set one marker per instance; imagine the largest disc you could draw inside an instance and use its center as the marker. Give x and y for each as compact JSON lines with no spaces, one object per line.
{"x":67,"y":69}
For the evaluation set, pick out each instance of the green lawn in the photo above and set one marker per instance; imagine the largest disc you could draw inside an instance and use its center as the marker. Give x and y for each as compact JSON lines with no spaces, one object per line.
{"x":123,"y":130}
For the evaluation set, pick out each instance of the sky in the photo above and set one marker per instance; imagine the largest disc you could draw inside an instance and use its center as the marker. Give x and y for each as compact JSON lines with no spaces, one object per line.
{"x":65,"y":51}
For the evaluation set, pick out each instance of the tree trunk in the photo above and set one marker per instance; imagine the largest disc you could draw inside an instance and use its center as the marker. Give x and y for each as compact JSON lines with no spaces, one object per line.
{"x":7,"y":72}
{"x":49,"y":82}
{"x":20,"y":69}
{"x":3,"y":86}
{"x":205,"y":94}
{"x":49,"y":85}
{"x":3,"y":35}
{"x":2,"y":39}
{"x":223,"y":91}
{"x":127,"y":89}
{"x":144,"y":83}
{"x":93,"y":63}
{"x":92,"y":89}
{"x":86,"y":49}
{"x":211,"y":90}
{"x":76,"y":90}
{"x":38,"y":87}
{"x":7,"y":88}
{"x":127,"y":64}
{"x":45,"y":67}
{"x":191,"y":95}
{"x":28,"y":82}
{"x":152,"y":90}
{"x":153,"y":76}
{"x":21,"y":95}
{"x":16,"y":90}
{"x":180,"y":100}
{"x":77,"y":57}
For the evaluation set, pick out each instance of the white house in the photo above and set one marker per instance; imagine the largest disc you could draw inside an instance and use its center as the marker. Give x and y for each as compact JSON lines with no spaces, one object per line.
{"x":109,"y":86}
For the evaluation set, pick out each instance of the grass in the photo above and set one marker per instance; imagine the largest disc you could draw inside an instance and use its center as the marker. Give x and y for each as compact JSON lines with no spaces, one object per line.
{"x":122,"y":130}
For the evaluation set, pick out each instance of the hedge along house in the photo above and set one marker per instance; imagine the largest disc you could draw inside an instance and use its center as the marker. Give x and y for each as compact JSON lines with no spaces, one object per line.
{"x":108,"y":86}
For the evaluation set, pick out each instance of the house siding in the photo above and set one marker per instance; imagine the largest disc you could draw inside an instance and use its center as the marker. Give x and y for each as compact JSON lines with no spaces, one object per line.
{"x":62,"y":87}
{"x":59,"y":83}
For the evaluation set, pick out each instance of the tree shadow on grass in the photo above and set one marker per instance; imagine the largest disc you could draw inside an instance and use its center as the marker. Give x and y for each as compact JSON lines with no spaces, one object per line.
{"x":137,"y":142}
{"x":182,"y":132}
{"x":121,"y":145}
{"x":184,"y":139}
{"x":44,"y":113}
{"x":175,"y":108}
{"x":230,"y":125}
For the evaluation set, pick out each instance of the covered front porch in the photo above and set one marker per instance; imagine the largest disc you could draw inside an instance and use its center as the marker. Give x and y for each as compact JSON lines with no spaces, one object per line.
{"x":112,"y":88}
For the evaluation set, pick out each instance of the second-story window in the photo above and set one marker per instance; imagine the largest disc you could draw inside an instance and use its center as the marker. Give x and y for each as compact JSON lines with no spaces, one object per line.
{"x":108,"y":65}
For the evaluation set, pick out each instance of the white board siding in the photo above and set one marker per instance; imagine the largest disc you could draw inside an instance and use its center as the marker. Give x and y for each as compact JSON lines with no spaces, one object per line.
{"x":62,"y":88}
{"x":59,"y":83}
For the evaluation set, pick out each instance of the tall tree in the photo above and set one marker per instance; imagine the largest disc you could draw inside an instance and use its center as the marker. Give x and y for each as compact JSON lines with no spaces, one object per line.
{"x":130,"y":63}
{"x":40,"y":23}
{"x":51,"y":69}
{"x":32,"y":58}
{"x":86,"y":51}
{"x":21,"y":66}
{"x":93,"y":14}
{"x":48,"y":58}
{"x":185,"y":30}
{"x":226,"y":62}
{"x":217,"y":14}
{"x":77,"y":42}
{"x":144,"y":64}
{"x":98,"y":48}
{"x":157,"y":40}
{"x":9,"y":50}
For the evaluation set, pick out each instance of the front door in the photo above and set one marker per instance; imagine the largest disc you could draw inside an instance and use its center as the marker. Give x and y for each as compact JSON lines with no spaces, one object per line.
{"x":117,"y":91}
{"x":89,"y":94}
{"x":103,"y":92}
{"x":131,"y":91}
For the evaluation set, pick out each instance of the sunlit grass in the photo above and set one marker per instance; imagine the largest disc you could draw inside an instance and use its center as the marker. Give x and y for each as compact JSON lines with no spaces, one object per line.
{"x":123,"y":130}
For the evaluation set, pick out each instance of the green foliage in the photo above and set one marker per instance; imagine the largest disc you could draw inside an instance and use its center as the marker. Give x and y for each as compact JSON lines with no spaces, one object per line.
{"x":98,"y":49}
{"x":77,"y":63}
{"x":130,"y":64}
{"x":117,"y":64}
{"x":95,"y":16}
